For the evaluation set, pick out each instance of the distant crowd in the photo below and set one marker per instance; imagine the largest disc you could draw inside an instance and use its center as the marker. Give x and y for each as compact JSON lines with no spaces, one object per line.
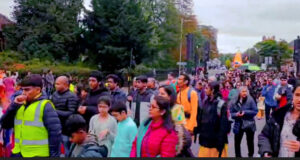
{"x":48,"y":116}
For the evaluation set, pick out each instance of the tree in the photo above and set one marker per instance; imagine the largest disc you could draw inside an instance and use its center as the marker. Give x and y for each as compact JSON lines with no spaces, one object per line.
{"x":165,"y":19}
{"x":278,"y":50}
{"x":115,"y":30}
{"x":228,"y":63}
{"x":253,"y":56}
{"x":210,"y":35}
{"x":45,"y":29}
{"x":184,"y":6}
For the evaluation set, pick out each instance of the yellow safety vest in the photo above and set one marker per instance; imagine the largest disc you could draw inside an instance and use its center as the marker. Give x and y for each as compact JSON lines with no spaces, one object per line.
{"x":72,"y":88}
{"x":31,"y":136}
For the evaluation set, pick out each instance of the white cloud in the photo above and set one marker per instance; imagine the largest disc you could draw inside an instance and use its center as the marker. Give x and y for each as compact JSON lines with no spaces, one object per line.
{"x":241,"y":23}
{"x":6,"y":7}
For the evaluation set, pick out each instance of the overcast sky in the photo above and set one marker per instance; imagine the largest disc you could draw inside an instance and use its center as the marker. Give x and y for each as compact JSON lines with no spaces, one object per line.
{"x":240,"y":23}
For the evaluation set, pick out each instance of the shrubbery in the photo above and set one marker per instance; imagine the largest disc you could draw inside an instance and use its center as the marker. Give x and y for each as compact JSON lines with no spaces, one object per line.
{"x":11,"y":61}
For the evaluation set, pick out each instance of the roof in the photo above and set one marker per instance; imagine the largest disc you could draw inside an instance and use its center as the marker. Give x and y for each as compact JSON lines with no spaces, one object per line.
{"x":4,"y":21}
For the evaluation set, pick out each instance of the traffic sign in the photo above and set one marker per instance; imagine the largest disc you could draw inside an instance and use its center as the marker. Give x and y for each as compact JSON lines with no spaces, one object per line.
{"x":181,"y":63}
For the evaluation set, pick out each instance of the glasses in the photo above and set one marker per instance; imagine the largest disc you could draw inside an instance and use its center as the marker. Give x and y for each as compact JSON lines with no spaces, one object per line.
{"x":153,"y":107}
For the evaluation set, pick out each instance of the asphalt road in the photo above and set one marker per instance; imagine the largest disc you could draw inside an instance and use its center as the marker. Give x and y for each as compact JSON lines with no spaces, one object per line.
{"x":244,"y":149}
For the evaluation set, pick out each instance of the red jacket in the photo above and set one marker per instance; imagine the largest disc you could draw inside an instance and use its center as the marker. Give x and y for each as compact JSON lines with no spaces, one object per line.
{"x":157,"y":142}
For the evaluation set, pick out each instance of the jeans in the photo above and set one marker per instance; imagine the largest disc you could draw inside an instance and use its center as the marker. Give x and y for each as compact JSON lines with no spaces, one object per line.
{"x":250,"y":142}
{"x":268,"y":110}
{"x":66,"y":143}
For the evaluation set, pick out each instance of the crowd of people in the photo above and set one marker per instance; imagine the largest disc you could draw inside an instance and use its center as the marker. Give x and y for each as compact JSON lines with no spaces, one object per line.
{"x":52,"y":117}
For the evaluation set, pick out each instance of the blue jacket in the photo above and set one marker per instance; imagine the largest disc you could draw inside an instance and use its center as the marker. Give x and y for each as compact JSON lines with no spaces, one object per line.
{"x":286,"y":91}
{"x":250,"y":109}
{"x":268,"y":92}
{"x":118,"y":95}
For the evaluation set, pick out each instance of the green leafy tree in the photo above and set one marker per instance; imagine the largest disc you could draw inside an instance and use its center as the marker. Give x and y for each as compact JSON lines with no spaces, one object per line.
{"x":45,"y":29}
{"x":278,"y":50}
{"x":253,"y":56}
{"x":165,"y":20}
{"x":228,"y":63}
{"x":114,"y":30}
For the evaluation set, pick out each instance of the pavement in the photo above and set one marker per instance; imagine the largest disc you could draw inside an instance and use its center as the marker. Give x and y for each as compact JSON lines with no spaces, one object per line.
{"x":244,"y":149}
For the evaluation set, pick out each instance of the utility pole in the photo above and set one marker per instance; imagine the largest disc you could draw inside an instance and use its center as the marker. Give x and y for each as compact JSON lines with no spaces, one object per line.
{"x":297,"y":55}
{"x":130,"y":70}
{"x":180,"y":48}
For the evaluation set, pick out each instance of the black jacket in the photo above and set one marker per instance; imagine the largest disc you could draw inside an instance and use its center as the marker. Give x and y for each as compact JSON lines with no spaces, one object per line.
{"x":51,"y":122}
{"x":213,"y":126}
{"x":66,"y":104}
{"x":91,"y":103}
{"x":269,"y":138}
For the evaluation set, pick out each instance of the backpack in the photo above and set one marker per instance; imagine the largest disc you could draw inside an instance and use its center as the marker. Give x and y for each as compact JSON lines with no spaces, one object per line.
{"x":189,"y":97}
{"x":174,"y":86}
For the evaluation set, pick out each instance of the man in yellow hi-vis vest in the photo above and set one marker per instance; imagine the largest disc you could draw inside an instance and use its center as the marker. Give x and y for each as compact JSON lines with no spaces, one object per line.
{"x":36,"y":124}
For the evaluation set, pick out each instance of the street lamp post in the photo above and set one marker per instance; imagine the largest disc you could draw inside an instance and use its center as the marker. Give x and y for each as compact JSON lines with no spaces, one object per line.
{"x":180,"y":50}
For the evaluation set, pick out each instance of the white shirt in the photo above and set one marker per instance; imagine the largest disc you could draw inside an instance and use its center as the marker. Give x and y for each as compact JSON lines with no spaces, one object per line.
{"x":286,"y":134}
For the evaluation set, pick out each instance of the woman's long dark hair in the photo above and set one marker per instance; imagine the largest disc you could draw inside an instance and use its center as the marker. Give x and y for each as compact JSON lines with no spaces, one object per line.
{"x":164,"y":104}
{"x":171,"y":92}
{"x":215,"y":87}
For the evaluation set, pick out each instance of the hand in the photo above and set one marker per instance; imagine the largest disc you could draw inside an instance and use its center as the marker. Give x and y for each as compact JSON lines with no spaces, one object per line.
{"x":103,"y":134}
{"x":292,"y":145}
{"x":21,"y":99}
{"x":239,"y":114}
{"x":278,"y":97}
{"x":82,"y":109}
{"x":267,"y":155}
{"x":129,"y":112}
{"x":129,"y":98}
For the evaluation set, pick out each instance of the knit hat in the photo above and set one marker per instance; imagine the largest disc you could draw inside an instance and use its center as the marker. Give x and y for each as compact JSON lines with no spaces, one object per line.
{"x":34,"y":80}
{"x":97,"y":75}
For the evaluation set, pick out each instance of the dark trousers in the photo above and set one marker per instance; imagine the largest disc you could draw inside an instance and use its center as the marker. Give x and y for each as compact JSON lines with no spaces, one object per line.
{"x":268,"y":110}
{"x":250,"y":142}
{"x":15,"y":155}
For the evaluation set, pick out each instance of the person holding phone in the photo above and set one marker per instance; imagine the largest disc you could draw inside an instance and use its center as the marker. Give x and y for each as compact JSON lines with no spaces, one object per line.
{"x":89,"y":106}
{"x":103,"y":124}
{"x":243,"y":109}
{"x":280,"y":136}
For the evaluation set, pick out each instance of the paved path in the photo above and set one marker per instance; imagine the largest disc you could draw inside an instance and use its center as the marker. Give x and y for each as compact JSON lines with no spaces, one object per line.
{"x":244,"y":149}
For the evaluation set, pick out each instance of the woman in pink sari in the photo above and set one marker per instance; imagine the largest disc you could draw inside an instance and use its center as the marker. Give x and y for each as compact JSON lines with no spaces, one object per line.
{"x":9,"y":87}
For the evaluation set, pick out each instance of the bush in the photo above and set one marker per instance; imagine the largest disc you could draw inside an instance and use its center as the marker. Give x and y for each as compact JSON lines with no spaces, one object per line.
{"x":10,"y":61}
{"x":141,"y":69}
